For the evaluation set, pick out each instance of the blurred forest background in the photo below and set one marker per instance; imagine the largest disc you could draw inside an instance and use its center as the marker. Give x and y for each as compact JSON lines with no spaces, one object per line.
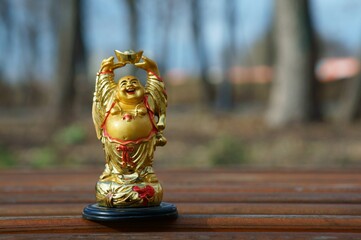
{"x":250,"y":83}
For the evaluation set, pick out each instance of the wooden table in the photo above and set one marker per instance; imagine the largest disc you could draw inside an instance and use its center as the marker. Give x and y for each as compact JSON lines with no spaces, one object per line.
{"x":212,"y":204}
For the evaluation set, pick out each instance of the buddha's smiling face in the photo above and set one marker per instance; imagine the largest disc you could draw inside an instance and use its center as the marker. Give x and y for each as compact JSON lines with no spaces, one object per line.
{"x":130,"y":90}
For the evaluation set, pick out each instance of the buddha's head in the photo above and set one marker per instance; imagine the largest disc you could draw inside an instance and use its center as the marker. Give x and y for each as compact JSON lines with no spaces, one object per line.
{"x":130,"y":90}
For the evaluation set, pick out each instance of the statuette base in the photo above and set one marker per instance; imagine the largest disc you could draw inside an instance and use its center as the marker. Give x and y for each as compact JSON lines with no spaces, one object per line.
{"x":94,"y":212}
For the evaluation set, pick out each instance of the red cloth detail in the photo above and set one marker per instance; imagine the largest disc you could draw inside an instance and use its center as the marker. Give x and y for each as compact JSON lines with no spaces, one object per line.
{"x":144,"y":193}
{"x":127,"y":159}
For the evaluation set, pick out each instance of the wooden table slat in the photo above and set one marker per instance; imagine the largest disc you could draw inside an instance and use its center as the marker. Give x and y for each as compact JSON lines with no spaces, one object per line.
{"x":203,"y":197}
{"x":194,"y":208}
{"x":187,"y":223}
{"x":190,"y":236}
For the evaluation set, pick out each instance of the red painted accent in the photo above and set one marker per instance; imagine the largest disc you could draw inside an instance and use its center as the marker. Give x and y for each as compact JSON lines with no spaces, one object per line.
{"x":124,"y":142}
{"x":160,"y":80}
{"x":106,"y":72}
{"x":150,"y":113}
{"x":144,"y":193}
{"x":158,"y":77}
{"x":106,"y":117}
{"x":127,"y":159}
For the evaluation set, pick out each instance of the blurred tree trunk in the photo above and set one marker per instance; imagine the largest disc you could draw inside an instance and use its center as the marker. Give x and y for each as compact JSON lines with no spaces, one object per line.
{"x":133,"y":19}
{"x":7,"y":95}
{"x":164,"y":21}
{"x":208,"y":89}
{"x":30,"y":32}
{"x":71,"y":55}
{"x":224,"y":91}
{"x":350,"y":102}
{"x":133,"y":30}
{"x":7,"y":24}
{"x":293,"y":95}
{"x":262,"y":52}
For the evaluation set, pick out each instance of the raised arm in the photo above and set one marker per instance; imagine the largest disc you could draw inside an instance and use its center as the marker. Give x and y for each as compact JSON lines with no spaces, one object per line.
{"x":103,"y":94}
{"x":155,"y":89}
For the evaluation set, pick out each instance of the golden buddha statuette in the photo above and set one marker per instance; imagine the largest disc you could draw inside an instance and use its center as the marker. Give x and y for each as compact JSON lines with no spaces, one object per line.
{"x":129,"y":120}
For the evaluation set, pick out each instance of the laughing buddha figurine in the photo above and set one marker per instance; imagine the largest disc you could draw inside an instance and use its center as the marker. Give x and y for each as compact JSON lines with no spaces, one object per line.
{"x":129,"y":120}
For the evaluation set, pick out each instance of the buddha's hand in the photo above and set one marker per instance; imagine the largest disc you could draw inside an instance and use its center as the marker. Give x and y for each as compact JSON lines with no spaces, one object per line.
{"x":108,"y":65}
{"x":148,"y":65}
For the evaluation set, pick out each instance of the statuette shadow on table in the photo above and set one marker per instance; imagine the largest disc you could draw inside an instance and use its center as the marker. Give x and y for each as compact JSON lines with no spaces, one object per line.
{"x":129,"y":120}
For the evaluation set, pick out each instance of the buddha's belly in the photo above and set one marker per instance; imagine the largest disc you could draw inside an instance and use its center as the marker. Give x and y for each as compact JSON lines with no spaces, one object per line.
{"x":131,"y":130}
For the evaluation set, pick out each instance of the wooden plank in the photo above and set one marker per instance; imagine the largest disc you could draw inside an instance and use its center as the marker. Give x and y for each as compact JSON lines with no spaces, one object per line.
{"x":342,"y":198}
{"x":261,"y":187}
{"x":185,"y":197}
{"x":268,"y":187}
{"x":269,"y":209}
{"x":30,"y":182}
{"x":232,"y":187}
{"x":54,"y":209}
{"x":186,"y":223}
{"x":191,"y":236}
{"x":84,"y":177}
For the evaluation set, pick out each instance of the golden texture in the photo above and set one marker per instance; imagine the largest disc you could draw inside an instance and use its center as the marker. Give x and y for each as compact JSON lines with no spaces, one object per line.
{"x":129,"y":120}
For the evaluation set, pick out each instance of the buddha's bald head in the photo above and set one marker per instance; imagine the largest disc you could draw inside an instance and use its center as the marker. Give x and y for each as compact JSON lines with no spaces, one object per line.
{"x":130,"y":90}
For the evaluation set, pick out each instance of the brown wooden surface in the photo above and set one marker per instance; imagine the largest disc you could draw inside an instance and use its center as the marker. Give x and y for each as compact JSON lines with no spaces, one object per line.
{"x":212,"y":204}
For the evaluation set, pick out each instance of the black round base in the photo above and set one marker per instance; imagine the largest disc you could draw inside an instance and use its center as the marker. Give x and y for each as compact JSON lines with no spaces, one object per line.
{"x":95,"y":212}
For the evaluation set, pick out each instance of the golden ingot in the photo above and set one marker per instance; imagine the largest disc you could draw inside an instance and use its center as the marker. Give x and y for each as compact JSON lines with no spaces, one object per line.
{"x":128,"y":56}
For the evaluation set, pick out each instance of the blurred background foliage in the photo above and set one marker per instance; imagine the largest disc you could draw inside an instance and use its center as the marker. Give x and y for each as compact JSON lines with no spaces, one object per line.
{"x":250,"y":83}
